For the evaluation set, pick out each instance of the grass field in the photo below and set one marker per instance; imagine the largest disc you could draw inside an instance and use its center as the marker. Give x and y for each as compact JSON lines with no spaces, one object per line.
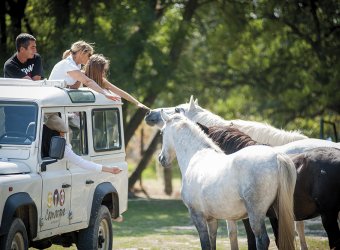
{"x":163,"y":223}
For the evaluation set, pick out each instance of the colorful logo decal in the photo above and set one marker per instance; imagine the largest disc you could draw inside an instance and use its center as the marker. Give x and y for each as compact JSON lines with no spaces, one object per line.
{"x":56,"y":197}
{"x":62,"y":197}
{"x":49,"y":199}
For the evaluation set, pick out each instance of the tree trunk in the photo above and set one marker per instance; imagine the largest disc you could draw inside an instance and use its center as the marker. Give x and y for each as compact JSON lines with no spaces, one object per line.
{"x":61,"y":11}
{"x":17,"y":13}
{"x":88,"y":7}
{"x":167,"y":180}
{"x":3,"y":31}
{"x":137,"y":41}
{"x":144,"y":162}
{"x":136,"y":119}
{"x":176,"y":49}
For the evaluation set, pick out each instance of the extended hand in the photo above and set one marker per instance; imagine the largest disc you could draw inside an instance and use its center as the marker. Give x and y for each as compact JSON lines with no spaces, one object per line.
{"x":142,"y":106}
{"x":112,"y":97}
{"x":116,"y":170}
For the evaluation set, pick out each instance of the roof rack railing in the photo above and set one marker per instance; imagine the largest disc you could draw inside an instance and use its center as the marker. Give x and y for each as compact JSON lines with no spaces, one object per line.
{"x":25,"y":82}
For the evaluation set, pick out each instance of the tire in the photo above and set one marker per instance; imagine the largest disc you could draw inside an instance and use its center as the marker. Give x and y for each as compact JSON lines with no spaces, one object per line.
{"x":16,"y":238}
{"x":98,"y":236}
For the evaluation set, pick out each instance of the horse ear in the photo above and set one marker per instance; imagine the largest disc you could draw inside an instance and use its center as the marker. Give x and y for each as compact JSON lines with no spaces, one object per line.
{"x":192,"y":103}
{"x":164,"y":116}
{"x":196,"y":101}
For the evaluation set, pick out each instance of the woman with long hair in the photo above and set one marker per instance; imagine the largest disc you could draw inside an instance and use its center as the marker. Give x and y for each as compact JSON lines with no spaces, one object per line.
{"x":69,"y":68}
{"x":96,"y":69}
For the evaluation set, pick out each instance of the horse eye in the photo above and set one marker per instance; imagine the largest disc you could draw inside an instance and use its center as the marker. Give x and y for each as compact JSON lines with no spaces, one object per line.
{"x":177,"y":110}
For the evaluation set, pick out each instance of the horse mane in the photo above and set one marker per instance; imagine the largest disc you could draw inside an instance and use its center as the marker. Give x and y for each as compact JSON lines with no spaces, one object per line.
{"x":228,"y":138}
{"x":260,"y":132}
{"x":195,"y":133}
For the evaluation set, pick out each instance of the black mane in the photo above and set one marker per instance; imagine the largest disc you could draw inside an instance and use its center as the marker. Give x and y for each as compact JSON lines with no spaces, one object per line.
{"x":228,"y":138}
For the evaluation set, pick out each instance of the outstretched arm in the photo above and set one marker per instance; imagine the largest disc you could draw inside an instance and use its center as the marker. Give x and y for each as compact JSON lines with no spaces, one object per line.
{"x":89,"y":165}
{"x":81,"y":77}
{"x":123,"y":94}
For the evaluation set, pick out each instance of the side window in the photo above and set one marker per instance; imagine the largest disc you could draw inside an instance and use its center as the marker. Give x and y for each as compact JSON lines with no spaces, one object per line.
{"x":47,"y":135}
{"x":106,"y":130}
{"x":77,"y":132}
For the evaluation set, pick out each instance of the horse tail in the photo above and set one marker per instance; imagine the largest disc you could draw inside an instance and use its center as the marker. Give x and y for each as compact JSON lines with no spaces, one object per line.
{"x":284,"y":207}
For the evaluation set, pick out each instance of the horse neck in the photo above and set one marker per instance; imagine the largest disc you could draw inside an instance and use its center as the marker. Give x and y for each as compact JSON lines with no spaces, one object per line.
{"x":266,"y":134}
{"x":260,"y":132}
{"x":186,"y":145}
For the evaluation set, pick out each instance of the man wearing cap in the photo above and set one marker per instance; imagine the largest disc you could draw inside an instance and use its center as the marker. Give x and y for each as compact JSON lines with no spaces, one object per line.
{"x":55,"y":126}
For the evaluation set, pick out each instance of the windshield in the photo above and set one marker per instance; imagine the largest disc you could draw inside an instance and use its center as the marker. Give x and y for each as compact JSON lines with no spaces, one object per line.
{"x":17,"y":123}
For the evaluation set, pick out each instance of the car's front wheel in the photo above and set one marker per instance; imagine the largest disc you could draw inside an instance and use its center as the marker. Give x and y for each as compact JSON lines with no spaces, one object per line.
{"x":16,"y":238}
{"x":98,"y":236}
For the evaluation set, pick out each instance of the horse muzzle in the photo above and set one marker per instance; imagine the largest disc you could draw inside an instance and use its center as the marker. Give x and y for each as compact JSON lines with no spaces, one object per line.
{"x":150,"y":118}
{"x":153,"y":118}
{"x":162,"y":160}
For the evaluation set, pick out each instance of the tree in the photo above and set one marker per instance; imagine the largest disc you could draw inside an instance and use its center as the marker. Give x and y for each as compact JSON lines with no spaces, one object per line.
{"x":273,"y":61}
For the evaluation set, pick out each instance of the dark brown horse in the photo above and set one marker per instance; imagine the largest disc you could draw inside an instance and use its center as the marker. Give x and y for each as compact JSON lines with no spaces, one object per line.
{"x":317,"y":190}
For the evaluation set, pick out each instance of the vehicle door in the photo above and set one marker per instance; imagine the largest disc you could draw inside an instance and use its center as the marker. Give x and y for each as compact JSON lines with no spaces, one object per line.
{"x":82,"y":179}
{"x":56,"y":187}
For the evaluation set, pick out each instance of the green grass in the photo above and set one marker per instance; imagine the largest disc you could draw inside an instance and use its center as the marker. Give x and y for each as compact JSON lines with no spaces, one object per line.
{"x":165,"y":224}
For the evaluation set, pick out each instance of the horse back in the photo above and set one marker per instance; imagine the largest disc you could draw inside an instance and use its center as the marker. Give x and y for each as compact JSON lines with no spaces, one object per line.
{"x":318,"y":182}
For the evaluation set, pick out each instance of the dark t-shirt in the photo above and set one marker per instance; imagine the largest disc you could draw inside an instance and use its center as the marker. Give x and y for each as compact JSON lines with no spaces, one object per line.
{"x":13,"y":68}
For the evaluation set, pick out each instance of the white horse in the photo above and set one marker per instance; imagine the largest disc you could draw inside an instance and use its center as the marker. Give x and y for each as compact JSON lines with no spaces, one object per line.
{"x":260,"y":132}
{"x":219,"y":186}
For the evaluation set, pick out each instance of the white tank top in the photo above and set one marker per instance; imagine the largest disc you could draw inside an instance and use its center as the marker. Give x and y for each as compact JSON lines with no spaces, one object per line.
{"x":61,"y":69}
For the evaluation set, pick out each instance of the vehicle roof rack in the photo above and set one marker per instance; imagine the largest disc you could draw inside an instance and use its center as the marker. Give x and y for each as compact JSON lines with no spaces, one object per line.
{"x":26,"y":82}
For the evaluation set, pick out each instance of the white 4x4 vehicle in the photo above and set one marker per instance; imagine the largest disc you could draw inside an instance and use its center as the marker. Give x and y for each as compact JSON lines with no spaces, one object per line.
{"x":46,"y":201}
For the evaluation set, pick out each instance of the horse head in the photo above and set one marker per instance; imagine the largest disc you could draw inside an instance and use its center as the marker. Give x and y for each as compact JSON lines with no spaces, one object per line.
{"x":153,"y":117}
{"x":167,"y":153}
{"x":181,"y":138}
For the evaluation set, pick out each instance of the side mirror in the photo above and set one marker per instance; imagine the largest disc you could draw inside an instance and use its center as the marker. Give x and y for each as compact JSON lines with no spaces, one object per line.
{"x":57,"y":147}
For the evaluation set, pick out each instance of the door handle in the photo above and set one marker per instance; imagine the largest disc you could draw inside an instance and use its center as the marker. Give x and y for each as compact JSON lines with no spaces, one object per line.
{"x":89,"y":182}
{"x":65,"y":185}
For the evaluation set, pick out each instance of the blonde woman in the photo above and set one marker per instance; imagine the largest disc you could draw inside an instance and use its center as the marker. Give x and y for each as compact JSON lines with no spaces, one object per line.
{"x":69,"y":68}
{"x":96,"y":69}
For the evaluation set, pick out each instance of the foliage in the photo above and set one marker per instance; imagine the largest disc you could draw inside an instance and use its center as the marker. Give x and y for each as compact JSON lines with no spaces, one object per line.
{"x":268,"y":60}
{"x":270,"y":70}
